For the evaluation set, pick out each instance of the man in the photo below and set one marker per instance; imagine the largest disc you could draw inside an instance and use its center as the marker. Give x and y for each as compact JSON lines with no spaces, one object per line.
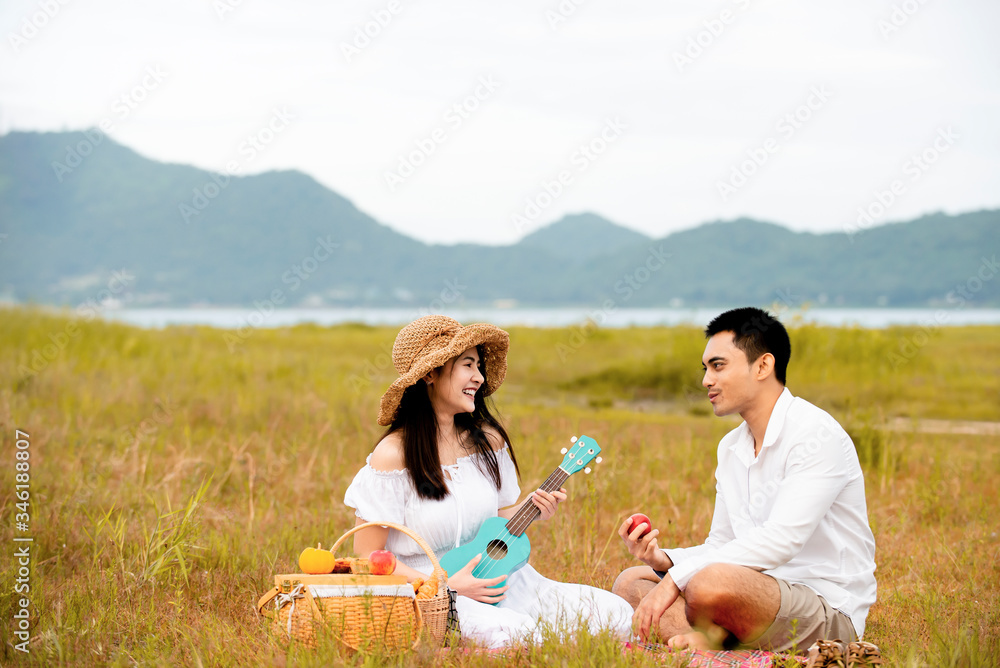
{"x":790,"y":557}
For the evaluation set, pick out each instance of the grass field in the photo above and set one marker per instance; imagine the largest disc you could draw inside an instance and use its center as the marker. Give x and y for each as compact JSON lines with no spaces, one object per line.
{"x":174,"y":472}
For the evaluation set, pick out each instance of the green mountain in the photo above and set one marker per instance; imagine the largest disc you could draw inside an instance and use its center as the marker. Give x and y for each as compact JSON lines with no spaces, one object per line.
{"x":580,"y":237}
{"x":187,"y":235}
{"x":917,"y":263}
{"x":76,"y":207}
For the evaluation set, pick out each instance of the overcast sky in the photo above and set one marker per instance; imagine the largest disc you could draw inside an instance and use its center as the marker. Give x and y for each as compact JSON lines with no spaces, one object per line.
{"x":446,"y":120}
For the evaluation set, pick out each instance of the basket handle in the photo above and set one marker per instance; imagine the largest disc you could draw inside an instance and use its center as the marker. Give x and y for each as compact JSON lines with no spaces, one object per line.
{"x":438,"y":572}
{"x":317,"y":615}
{"x":264,"y":600}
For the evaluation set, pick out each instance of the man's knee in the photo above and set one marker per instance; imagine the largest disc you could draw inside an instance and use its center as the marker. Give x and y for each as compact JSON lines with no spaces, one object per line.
{"x":709,"y":589}
{"x":737,"y":598}
{"x":634,"y":583}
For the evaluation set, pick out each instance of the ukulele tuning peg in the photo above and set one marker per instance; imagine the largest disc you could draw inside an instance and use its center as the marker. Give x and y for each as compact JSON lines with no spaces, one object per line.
{"x":599,"y":460}
{"x":586,"y":470}
{"x":573,"y":440}
{"x":563,"y":451}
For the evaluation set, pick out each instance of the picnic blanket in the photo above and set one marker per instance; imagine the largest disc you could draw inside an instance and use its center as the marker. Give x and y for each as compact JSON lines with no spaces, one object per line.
{"x":741,"y":658}
{"x":695,"y":658}
{"x":749,"y":658}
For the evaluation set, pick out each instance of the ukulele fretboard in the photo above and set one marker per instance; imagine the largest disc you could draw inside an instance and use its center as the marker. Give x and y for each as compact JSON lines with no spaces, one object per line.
{"x":528,"y":512}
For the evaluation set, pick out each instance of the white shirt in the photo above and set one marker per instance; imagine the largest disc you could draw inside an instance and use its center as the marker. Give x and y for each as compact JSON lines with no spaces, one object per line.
{"x":796,"y":511}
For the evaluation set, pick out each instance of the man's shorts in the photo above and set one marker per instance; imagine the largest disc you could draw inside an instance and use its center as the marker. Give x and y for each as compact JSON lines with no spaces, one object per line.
{"x":803,"y":618}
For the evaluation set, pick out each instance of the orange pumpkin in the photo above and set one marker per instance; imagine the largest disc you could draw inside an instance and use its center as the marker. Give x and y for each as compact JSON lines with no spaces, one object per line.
{"x":317,"y":561}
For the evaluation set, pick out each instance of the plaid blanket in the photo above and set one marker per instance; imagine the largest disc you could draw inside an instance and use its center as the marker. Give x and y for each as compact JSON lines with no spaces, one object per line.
{"x":722,"y":659}
{"x":695,"y":658}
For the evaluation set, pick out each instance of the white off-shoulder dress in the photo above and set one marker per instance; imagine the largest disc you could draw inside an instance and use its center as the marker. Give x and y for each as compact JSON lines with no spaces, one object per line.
{"x":379,"y":496}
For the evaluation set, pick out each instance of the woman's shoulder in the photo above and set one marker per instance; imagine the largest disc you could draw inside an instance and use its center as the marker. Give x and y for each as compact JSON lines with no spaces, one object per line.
{"x":494,"y":437}
{"x":388,"y":454}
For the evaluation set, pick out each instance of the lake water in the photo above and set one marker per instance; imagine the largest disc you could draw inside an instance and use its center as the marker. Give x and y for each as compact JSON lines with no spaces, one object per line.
{"x":234,"y":318}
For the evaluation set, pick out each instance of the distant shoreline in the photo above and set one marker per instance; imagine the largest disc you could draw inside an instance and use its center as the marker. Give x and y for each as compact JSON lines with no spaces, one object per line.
{"x":236,"y":318}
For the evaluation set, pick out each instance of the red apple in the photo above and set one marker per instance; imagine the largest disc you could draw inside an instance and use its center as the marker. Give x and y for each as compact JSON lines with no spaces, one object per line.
{"x":381,"y":562}
{"x":638,"y":519}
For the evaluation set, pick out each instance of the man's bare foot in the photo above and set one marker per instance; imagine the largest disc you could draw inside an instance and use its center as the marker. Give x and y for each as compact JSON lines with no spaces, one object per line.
{"x":692,"y":640}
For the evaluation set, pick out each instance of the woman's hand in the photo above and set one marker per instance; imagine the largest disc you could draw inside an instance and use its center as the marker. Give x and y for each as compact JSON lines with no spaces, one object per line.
{"x":645,"y":549}
{"x":478,"y":589}
{"x":547,"y":503}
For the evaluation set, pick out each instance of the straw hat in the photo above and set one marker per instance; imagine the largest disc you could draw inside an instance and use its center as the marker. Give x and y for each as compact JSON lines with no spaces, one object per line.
{"x":429,"y":342}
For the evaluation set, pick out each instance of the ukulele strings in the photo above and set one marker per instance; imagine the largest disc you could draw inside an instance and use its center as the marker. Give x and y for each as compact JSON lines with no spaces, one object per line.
{"x":485,"y":567}
{"x":520,"y":521}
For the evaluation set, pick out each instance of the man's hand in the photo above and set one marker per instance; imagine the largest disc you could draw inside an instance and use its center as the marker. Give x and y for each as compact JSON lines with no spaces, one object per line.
{"x":646,"y":619}
{"x":644,"y":549}
{"x":478,"y":589}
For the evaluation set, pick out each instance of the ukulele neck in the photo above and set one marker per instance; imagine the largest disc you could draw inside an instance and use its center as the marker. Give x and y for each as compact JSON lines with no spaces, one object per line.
{"x":528,"y":512}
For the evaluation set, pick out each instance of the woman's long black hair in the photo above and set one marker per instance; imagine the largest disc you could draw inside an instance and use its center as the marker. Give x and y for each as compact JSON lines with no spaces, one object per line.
{"x":416,"y":420}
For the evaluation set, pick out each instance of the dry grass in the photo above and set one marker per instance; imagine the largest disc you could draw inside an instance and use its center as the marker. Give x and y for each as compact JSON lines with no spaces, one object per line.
{"x":172,"y":478}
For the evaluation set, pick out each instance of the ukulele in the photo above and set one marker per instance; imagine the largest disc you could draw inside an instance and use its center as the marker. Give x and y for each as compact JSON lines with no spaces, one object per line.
{"x":502,"y":542}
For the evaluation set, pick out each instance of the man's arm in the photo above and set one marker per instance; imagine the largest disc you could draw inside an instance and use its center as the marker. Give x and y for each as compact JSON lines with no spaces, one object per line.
{"x":720,"y":533}
{"x":648,"y":613}
{"x":814,"y":478}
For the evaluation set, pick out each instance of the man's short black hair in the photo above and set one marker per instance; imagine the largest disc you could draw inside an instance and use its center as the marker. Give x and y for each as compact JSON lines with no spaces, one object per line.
{"x":755,"y":332}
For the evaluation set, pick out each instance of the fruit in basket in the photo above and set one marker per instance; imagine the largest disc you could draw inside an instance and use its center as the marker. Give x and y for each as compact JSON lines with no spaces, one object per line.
{"x":344,"y":565}
{"x":381,"y":562}
{"x":316,"y":560}
{"x":428,"y":588}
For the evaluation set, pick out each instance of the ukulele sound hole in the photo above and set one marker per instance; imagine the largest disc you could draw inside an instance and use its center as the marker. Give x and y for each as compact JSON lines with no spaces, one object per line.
{"x":496,"y":549}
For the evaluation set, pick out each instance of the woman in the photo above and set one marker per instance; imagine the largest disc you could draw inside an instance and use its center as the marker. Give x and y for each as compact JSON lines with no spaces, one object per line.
{"x":444,"y":466}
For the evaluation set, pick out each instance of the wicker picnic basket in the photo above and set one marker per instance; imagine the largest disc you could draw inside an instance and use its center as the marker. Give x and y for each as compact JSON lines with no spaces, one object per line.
{"x":367,"y":609}
{"x":434,"y":610}
{"x":356,"y":609}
